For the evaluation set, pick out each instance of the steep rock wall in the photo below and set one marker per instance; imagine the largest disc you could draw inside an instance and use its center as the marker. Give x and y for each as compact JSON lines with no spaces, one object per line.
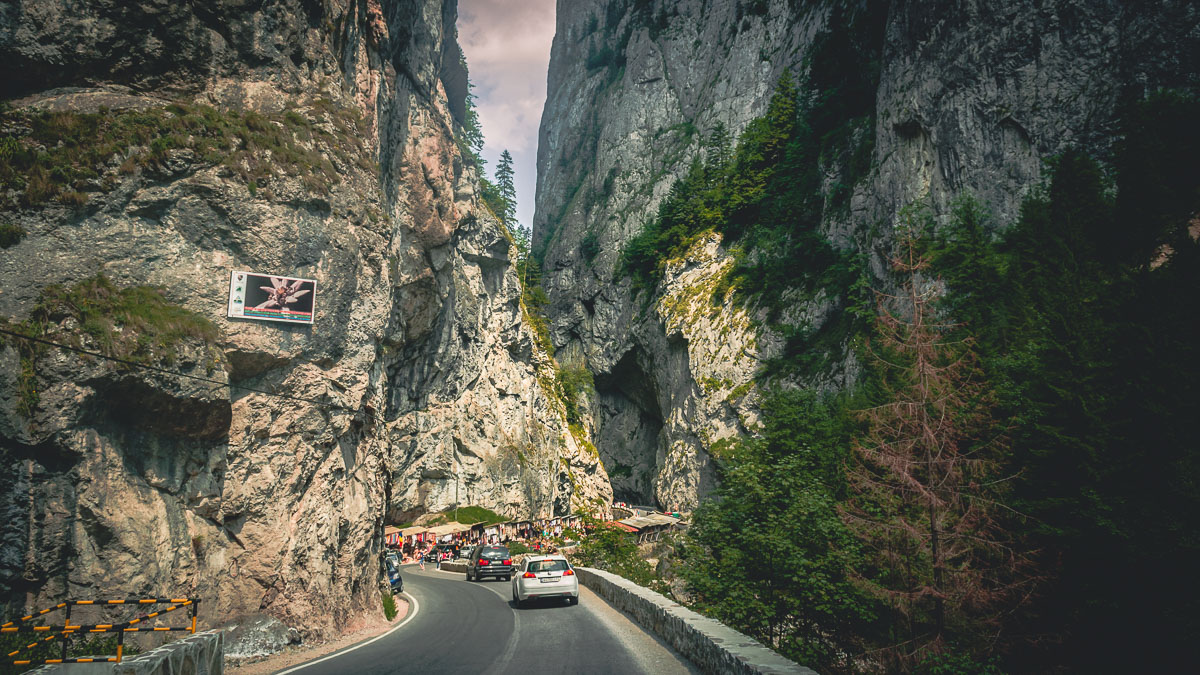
{"x":971,"y":97}
{"x":418,"y":366}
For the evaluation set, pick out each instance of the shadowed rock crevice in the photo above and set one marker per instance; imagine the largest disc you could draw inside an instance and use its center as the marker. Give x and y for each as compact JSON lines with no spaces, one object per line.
{"x":629,"y":426}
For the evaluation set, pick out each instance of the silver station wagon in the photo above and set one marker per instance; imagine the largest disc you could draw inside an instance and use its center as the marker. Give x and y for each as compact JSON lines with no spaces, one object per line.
{"x":545,"y":576}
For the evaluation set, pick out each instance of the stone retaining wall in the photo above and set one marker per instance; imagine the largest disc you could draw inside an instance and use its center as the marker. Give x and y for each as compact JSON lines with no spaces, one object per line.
{"x":199,"y":654}
{"x":711,"y":645}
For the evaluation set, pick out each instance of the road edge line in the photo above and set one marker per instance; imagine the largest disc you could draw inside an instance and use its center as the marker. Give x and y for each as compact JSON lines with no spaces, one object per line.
{"x":415,"y":608}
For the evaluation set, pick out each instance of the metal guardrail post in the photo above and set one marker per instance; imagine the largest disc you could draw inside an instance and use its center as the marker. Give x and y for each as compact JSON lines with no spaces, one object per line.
{"x":66,"y":636}
{"x":68,"y":629}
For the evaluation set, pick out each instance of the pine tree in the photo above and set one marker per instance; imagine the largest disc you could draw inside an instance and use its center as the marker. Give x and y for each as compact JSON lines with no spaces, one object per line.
{"x":768,"y":555}
{"x":718,"y":151}
{"x":508,"y":191}
{"x":925,"y":494}
{"x":470,"y":136}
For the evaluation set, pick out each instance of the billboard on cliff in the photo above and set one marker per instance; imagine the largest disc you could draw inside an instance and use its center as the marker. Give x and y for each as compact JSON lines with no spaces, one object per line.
{"x":270,"y":298}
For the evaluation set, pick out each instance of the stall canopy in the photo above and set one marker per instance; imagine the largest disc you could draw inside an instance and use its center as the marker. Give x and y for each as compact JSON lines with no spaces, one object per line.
{"x":410,"y":535}
{"x":449,"y":529}
{"x":651,"y":520}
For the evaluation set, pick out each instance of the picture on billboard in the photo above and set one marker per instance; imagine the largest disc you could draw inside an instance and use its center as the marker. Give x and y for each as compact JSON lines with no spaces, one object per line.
{"x":271,"y":298}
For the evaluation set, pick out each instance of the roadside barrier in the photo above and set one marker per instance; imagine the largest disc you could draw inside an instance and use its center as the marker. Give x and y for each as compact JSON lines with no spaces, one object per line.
{"x":68,"y":629}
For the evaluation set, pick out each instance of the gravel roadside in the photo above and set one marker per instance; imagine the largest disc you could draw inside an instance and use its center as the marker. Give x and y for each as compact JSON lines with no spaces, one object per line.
{"x":294,"y":656}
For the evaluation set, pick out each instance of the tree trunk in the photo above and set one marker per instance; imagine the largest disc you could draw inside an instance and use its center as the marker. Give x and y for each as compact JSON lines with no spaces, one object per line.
{"x":939,"y":603}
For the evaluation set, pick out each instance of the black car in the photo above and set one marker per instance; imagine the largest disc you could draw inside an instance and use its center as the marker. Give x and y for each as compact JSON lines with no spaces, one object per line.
{"x":393,"y":575}
{"x":489,"y":561}
{"x":438,"y":551}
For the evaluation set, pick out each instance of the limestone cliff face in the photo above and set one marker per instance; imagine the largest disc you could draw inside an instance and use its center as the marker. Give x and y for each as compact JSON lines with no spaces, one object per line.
{"x":971,"y":97}
{"x":340,"y":164}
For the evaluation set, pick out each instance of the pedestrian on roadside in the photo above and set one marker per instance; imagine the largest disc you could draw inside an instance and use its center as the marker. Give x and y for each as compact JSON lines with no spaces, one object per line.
{"x":421,"y":558}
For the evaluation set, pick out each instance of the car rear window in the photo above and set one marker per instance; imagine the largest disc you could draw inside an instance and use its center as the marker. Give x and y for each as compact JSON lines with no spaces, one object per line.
{"x":494,"y":552}
{"x":547,"y":565}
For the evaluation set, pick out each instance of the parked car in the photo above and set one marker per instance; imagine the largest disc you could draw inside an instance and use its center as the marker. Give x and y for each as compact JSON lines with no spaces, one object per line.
{"x":545,"y":576}
{"x":489,"y":561}
{"x":465,"y":553}
{"x":393,"y":574}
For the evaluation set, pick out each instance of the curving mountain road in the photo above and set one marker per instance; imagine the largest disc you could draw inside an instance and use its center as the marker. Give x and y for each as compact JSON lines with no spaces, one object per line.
{"x":464,"y":627}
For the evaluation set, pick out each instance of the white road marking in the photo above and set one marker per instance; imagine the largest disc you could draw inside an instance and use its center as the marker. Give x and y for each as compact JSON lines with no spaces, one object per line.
{"x":414,"y":608}
{"x":501,"y":663}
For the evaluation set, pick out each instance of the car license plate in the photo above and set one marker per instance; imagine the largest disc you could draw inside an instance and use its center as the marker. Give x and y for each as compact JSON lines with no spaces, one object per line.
{"x":550,"y":579}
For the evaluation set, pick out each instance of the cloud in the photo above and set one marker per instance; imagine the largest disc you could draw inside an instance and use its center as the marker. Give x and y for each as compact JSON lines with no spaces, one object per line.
{"x":507,"y":45}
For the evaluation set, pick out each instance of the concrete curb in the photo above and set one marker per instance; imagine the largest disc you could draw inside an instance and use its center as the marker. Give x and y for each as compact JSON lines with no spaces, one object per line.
{"x":711,"y":645}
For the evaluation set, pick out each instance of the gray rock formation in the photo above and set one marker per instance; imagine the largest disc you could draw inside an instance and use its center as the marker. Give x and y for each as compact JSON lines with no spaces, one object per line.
{"x":972,"y":97}
{"x":256,"y":636}
{"x":417,"y":376}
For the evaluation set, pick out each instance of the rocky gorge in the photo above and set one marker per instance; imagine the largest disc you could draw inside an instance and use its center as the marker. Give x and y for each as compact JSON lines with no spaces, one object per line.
{"x":150,"y":444}
{"x":149,"y":150}
{"x":928,"y":101}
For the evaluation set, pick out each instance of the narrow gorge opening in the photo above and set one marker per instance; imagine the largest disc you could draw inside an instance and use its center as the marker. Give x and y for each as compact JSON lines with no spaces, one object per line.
{"x":629,"y":425}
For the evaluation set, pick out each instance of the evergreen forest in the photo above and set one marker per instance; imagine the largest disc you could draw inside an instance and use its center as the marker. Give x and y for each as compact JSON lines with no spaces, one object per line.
{"x":1013,"y":484}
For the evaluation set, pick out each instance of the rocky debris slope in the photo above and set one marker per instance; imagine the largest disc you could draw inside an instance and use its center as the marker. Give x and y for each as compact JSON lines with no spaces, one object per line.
{"x":969,"y":98}
{"x":293,"y":138}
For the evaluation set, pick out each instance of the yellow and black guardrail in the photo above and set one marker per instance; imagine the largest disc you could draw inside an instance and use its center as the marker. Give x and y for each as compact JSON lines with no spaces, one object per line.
{"x":68,"y":629}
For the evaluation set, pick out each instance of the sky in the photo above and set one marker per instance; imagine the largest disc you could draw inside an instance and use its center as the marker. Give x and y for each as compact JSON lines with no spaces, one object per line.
{"x":507,"y":44}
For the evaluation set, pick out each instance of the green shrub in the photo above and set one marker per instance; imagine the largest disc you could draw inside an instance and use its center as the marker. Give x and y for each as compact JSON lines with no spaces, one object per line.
{"x":389,"y":606}
{"x":11,"y":235}
{"x":73,"y":198}
{"x":589,"y":248}
{"x":573,"y":384}
{"x":620,"y":471}
{"x":478,"y":514}
{"x":777,"y":500}
{"x":614,"y":550}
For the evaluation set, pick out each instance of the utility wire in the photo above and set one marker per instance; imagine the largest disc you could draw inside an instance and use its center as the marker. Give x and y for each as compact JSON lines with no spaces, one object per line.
{"x":144,"y":366}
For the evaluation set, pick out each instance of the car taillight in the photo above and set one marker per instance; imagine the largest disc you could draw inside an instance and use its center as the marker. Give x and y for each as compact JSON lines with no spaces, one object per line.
{"x":506,"y":562}
{"x":569,"y":573}
{"x":529,"y":575}
{"x":484,"y":561}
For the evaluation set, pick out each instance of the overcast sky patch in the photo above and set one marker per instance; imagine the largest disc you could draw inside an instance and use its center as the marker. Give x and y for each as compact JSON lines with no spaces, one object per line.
{"x":507,"y":44}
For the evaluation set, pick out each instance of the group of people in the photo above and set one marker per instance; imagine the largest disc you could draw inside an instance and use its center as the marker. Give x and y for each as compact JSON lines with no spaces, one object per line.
{"x":440,"y":555}
{"x":538,"y":546}
{"x":418,"y":555}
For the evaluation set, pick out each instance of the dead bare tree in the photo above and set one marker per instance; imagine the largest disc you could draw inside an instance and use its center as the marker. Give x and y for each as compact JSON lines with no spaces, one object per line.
{"x":926,"y":494}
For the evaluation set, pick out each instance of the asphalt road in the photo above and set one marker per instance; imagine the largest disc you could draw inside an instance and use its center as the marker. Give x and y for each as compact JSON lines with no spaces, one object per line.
{"x":463,"y":627}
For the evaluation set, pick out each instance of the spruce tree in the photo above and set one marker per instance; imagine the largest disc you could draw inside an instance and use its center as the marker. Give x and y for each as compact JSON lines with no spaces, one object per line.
{"x":508,"y":191}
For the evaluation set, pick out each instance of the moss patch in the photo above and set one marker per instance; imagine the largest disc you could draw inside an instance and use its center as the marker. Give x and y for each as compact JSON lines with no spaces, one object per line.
{"x":64,"y":156}
{"x":136,"y":324}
